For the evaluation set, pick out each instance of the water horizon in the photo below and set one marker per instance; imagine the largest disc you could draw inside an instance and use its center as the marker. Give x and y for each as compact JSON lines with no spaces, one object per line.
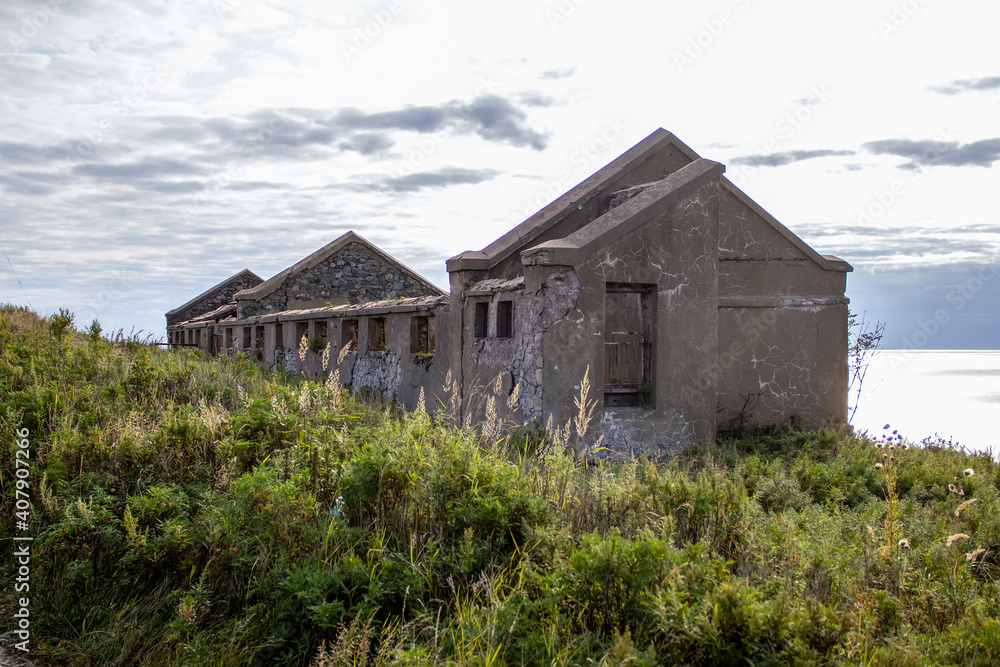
{"x":948,"y":394}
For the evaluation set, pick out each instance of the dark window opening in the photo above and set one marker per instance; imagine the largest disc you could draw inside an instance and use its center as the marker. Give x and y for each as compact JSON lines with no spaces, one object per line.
{"x":229,"y":337}
{"x":376,"y":334}
{"x":422,"y":335}
{"x":197,"y":336}
{"x":279,"y":336}
{"x":246,"y":338}
{"x":301,"y":331}
{"x":260,"y":337}
{"x":321,"y":331}
{"x":349,"y":334}
{"x":505,"y":319}
{"x":482,"y":318}
{"x":628,"y":338}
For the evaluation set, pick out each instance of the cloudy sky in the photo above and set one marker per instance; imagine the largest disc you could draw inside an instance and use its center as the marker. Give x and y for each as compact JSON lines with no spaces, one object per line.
{"x":150,"y":149}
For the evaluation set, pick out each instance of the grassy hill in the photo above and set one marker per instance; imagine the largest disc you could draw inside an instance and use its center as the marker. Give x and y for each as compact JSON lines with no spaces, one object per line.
{"x":194,"y":511}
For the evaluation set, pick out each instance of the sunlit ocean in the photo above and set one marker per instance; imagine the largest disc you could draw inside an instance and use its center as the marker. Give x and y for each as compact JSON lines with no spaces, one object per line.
{"x":952,"y":394}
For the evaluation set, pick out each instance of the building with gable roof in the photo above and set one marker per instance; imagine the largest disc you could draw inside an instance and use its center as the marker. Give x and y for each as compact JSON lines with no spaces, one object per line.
{"x":684,"y":304}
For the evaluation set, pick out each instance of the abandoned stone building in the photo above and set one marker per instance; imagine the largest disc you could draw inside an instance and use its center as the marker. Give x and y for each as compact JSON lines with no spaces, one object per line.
{"x":684,"y":304}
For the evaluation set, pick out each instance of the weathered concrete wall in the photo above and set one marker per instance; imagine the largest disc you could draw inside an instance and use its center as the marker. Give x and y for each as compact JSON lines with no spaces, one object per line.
{"x":782,"y":326}
{"x":783,"y":361}
{"x":216,"y":299}
{"x":675,"y":254}
{"x":354,"y":274}
{"x":393,"y":373}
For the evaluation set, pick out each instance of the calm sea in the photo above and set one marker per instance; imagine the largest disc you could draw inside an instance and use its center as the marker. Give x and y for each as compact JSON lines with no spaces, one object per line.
{"x":953,"y":394}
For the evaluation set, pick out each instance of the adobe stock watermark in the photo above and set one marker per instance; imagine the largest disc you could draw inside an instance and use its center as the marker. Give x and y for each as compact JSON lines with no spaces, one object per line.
{"x":882,"y":200}
{"x":426,"y":145}
{"x":785,"y":128}
{"x":32,"y":23}
{"x":711,"y":30}
{"x":899,"y":16}
{"x":22,"y":542}
{"x":249,"y":150}
{"x":562,"y":12}
{"x":363,"y":36}
{"x":582,"y":158}
{"x":125,"y":106}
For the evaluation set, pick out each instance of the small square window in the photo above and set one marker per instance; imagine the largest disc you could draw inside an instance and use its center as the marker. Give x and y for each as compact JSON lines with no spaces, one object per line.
{"x":505,"y":319}
{"x":422,"y":334}
{"x":482,"y":318}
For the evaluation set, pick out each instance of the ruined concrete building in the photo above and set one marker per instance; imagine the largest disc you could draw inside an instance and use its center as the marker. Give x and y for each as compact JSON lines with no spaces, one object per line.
{"x":683,"y":302}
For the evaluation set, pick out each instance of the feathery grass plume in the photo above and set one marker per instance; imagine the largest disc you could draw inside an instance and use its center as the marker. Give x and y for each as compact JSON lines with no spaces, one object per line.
{"x":333,"y":389}
{"x":212,"y":416}
{"x":512,"y":399}
{"x":973,"y":555}
{"x":548,"y":427}
{"x":305,"y":400}
{"x":447,"y":382}
{"x":491,"y":425}
{"x":421,"y":405}
{"x":958,"y":510}
{"x":566,"y":431}
{"x":326,"y":356}
{"x":303,"y":348}
{"x":498,"y":384}
{"x":957,"y":537}
{"x":344,"y":351}
{"x":584,"y":406}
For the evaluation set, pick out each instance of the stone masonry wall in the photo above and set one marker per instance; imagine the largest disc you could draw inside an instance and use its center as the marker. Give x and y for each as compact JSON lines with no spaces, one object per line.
{"x":354,"y":274}
{"x":220,"y":298}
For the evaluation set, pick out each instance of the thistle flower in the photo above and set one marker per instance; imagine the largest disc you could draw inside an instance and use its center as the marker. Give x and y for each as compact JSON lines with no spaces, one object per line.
{"x":952,"y":489}
{"x":878,"y":466}
{"x":885,"y":427}
{"x":969,"y":472}
{"x":957,"y":537}
{"x":879,"y":445}
{"x":903,"y":543}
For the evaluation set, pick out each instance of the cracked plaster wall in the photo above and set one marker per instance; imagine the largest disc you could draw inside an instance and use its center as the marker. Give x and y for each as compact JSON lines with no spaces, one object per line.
{"x":675,"y":253}
{"x":782,"y":326}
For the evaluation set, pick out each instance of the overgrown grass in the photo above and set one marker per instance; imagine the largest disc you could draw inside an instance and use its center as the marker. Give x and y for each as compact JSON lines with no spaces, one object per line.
{"x":200,"y":511}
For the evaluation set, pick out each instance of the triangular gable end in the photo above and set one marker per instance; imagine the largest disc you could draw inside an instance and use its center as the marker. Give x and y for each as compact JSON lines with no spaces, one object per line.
{"x":625,"y":218}
{"x":214,"y":296}
{"x":652,"y":159}
{"x":347,"y":270}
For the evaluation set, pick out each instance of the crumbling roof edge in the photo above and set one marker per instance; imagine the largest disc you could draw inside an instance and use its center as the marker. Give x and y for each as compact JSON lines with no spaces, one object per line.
{"x":632,"y":214}
{"x":549,"y":216}
{"x":212,"y":290}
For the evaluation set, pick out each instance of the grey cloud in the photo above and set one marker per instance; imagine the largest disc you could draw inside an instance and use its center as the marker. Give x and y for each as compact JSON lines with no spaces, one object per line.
{"x":368,"y":143}
{"x":138,"y":170}
{"x":966,"y":85}
{"x":786,"y":157}
{"x":981,"y":153}
{"x":558,"y":73}
{"x":437,"y":179}
{"x":534,"y":98}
